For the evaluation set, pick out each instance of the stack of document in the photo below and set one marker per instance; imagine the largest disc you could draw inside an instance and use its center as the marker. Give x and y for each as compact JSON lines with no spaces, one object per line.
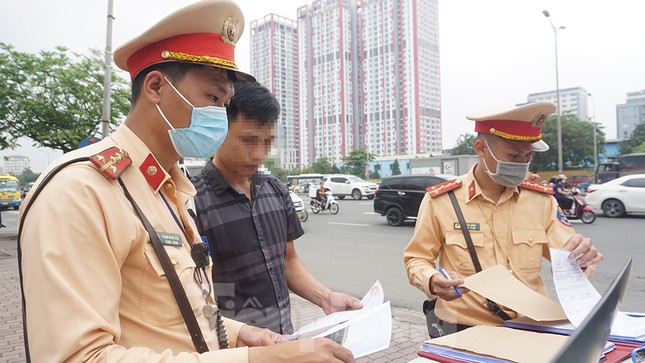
{"x":364,"y":331}
{"x":578,"y":297}
{"x":625,"y":329}
{"x":486,"y":344}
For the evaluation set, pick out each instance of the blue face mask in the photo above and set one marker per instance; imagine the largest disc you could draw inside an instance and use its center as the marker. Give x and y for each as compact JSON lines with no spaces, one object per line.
{"x":206,"y":133}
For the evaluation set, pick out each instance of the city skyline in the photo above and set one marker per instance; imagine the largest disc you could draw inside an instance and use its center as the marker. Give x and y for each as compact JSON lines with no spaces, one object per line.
{"x":493,"y":53}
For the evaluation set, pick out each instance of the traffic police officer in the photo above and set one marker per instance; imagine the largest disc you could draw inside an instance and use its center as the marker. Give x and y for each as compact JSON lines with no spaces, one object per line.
{"x":94,"y":286}
{"x":511,"y":222}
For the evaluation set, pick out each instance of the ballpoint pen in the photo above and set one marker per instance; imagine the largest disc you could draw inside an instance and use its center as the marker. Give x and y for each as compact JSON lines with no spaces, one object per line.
{"x":445,"y":274}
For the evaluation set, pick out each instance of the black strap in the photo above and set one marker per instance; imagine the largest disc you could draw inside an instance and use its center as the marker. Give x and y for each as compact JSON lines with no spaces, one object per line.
{"x":173,"y":279}
{"x":464,"y":230}
{"x":491,"y":305}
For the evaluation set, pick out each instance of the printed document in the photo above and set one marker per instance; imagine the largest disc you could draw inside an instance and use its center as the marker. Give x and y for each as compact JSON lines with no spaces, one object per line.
{"x":364,"y":331}
{"x":576,"y":294}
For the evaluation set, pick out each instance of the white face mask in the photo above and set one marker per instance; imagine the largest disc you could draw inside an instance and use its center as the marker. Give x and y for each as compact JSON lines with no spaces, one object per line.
{"x":508,"y":174}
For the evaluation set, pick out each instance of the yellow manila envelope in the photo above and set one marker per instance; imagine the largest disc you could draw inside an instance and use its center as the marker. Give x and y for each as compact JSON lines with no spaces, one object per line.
{"x":505,"y":343}
{"x":499,"y":285}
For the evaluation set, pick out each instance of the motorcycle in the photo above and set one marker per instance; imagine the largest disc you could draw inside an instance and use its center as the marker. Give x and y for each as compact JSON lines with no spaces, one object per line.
{"x":330,"y":204}
{"x":581,"y":210}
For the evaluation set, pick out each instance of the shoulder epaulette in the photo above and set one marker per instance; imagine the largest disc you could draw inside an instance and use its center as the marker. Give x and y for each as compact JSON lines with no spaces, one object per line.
{"x":111,"y":162}
{"x":538,"y":187}
{"x":441,"y":188}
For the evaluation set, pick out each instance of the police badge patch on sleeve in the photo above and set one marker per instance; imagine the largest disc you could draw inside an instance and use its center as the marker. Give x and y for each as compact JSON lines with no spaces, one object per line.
{"x":562,"y":218}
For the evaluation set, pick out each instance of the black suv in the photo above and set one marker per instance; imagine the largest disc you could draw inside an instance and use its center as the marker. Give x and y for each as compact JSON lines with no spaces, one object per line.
{"x":398,"y":197}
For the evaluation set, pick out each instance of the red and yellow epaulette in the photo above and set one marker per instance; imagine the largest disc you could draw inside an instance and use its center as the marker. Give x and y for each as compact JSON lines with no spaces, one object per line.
{"x":538,"y":187}
{"x":111,"y":162}
{"x":441,"y":188}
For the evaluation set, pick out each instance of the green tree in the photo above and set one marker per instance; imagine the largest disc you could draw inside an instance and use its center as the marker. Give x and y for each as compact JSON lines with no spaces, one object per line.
{"x":640,"y":148}
{"x":322,"y":166}
{"x":27,"y":177}
{"x":637,"y":137}
{"x":396,"y":169}
{"x":55,"y":97}
{"x":465,"y":144}
{"x":355,"y":161}
{"x":271,"y":163}
{"x":577,"y":143}
{"x":334,"y":169}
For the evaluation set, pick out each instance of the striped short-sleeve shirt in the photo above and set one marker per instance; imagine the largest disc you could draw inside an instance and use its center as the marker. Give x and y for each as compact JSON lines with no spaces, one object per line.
{"x":247,"y":240}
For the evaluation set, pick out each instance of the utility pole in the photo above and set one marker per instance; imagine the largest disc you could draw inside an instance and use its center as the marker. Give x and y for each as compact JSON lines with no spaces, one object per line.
{"x":107,"y":78}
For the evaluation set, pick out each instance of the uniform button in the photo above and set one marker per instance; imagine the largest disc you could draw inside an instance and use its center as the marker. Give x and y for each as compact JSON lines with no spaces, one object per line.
{"x":530,"y":239}
{"x":168,"y":185}
{"x":174,"y":262}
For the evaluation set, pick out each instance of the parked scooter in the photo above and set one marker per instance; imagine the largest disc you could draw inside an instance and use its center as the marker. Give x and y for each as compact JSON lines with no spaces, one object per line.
{"x":330,"y":204}
{"x":581,"y":210}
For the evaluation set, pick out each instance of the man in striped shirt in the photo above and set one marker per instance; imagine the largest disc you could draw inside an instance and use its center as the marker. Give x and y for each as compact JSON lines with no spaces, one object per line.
{"x":249,"y":220}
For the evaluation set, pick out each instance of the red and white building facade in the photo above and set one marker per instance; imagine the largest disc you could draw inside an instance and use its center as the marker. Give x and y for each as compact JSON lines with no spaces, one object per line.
{"x":367,"y":75}
{"x":401,"y":97}
{"x":274,"y":64}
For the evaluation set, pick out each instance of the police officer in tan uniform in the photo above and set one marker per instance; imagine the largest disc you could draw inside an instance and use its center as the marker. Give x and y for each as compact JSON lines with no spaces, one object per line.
{"x":511,"y":222}
{"x":95,"y":288}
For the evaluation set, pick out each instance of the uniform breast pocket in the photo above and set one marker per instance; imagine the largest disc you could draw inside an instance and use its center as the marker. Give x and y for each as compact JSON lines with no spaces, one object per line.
{"x":158,"y":304}
{"x":528,"y":246}
{"x":457,"y":249}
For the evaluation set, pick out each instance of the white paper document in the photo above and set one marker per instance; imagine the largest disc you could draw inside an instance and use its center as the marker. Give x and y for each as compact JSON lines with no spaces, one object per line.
{"x":576,"y":294}
{"x":364,"y":331}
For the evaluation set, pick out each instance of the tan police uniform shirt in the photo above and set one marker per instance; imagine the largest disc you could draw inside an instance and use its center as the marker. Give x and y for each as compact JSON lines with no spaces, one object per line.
{"x":94,"y":287}
{"x":516,"y":232}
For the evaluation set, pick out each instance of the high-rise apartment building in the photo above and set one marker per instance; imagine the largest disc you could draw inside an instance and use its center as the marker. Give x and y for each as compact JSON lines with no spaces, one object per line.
{"x":367,"y":76}
{"x":327,"y":66}
{"x":400,"y":93}
{"x":274,"y":63}
{"x":572,"y":100}
{"x":630,"y":114}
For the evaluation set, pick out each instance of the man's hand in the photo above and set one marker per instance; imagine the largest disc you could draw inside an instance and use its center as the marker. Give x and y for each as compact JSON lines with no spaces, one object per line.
{"x":251,"y":336}
{"x":338,"y":301}
{"x":582,"y":250}
{"x":304,"y":350}
{"x":445,"y":288}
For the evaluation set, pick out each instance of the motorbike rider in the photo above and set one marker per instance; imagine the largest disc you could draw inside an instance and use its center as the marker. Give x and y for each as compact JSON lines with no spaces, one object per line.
{"x":320,"y":195}
{"x":561,"y":193}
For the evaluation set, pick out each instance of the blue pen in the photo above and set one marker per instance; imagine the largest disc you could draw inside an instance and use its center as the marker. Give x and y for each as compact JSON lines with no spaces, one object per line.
{"x":445,"y":274}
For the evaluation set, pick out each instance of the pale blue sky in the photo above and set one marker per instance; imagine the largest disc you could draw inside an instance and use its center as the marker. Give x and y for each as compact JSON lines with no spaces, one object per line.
{"x":493,"y":53}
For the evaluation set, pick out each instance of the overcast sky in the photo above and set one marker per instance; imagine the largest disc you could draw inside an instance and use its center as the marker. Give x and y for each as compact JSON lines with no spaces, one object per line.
{"x":493,"y":52}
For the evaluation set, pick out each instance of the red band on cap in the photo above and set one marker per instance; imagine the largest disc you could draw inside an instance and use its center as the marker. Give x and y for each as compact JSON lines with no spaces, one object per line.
{"x":195,"y":45}
{"x":521,"y":129}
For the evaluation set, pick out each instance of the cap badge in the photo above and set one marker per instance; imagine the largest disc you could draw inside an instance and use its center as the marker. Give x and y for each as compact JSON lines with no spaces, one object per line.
{"x":229,"y":32}
{"x":538,"y":120}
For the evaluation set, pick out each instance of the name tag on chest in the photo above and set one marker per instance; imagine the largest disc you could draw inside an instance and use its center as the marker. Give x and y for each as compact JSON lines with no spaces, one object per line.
{"x":469,"y":226}
{"x":169,"y":239}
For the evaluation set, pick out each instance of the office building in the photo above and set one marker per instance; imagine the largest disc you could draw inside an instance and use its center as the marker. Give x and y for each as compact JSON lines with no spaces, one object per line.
{"x":573,"y":101}
{"x":16,"y":164}
{"x":630,"y":114}
{"x":274,"y":64}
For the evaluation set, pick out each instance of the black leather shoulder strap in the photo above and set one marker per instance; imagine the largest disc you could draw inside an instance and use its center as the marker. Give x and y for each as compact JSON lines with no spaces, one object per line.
{"x":491,"y":305}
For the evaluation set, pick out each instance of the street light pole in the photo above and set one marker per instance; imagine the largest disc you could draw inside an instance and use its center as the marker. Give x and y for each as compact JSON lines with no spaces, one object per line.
{"x":557,"y":88}
{"x":595,"y":132}
{"x":107,"y":77}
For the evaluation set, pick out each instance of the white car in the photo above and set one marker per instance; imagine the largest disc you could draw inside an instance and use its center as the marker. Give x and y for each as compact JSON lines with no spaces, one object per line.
{"x":299,"y":206}
{"x":349,"y":185}
{"x":619,"y":196}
